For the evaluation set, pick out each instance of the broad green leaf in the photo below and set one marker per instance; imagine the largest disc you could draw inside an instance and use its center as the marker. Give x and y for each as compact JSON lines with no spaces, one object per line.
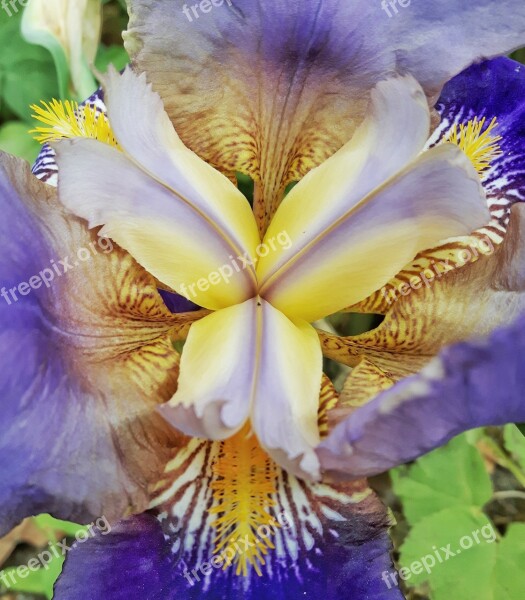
{"x":27,"y":83}
{"x":521,"y":427}
{"x":16,"y":139}
{"x":27,"y":72}
{"x":11,"y":38}
{"x":509,"y":580}
{"x":40,"y":581}
{"x":39,"y":575}
{"x":454,"y":475}
{"x":455,"y":551}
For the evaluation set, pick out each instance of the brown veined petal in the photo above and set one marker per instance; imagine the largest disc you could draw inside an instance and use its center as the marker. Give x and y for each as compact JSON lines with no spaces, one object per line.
{"x":468,"y":302}
{"x":86,"y":358}
{"x":468,"y":327}
{"x":274,"y":88}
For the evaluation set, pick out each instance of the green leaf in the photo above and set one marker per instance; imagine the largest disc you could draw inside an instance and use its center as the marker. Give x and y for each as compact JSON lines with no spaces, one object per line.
{"x":515,"y":443}
{"x":27,"y":72}
{"x":49,"y":523}
{"x":521,"y":427}
{"x":452,"y":549}
{"x":456,"y":549}
{"x":454,"y":475}
{"x":520,"y":56}
{"x":16,"y":139}
{"x":36,"y":577}
{"x":40,"y":581}
{"x":27,"y":83}
{"x":46,"y":40}
{"x":509,"y":582}
{"x":11,"y":37}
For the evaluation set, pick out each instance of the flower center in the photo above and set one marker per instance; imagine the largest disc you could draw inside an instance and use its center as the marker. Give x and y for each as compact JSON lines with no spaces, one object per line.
{"x":68,"y":120}
{"x":243,"y":485}
{"x":479,"y":145}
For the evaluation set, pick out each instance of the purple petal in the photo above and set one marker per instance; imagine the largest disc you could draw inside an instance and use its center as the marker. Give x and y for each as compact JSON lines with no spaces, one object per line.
{"x":493,"y":89}
{"x":131,"y":561}
{"x":85,"y":359}
{"x":177,"y":303}
{"x":332,"y":544}
{"x":469,"y":385}
{"x":135,"y":558}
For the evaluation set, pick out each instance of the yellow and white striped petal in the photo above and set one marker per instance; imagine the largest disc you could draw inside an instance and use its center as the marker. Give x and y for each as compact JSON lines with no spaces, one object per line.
{"x":228,"y":504}
{"x":183,"y":221}
{"x":231,"y":370}
{"x":365,"y":213}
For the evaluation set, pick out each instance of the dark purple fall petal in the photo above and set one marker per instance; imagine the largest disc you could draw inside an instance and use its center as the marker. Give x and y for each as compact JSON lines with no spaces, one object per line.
{"x":141,"y":558}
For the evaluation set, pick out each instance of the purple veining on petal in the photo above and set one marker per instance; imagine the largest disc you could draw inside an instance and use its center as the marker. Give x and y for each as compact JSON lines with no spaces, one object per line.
{"x":138,"y":557}
{"x":493,"y":88}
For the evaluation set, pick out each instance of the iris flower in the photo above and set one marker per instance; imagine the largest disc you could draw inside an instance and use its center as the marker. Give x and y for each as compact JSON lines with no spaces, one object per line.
{"x":242,"y":463}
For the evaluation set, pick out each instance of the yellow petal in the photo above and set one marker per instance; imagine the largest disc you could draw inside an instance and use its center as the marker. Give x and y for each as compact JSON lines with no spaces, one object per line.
{"x":258,"y":364}
{"x":183,"y":221}
{"x":356,"y":220}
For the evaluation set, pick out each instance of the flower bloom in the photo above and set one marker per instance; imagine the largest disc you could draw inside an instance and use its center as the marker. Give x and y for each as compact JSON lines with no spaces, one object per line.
{"x":251,"y":426}
{"x":71,"y":32}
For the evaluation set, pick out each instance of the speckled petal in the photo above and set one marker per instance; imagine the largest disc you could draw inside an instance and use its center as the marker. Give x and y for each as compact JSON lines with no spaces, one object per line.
{"x":86,"y":357}
{"x":273,"y":88}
